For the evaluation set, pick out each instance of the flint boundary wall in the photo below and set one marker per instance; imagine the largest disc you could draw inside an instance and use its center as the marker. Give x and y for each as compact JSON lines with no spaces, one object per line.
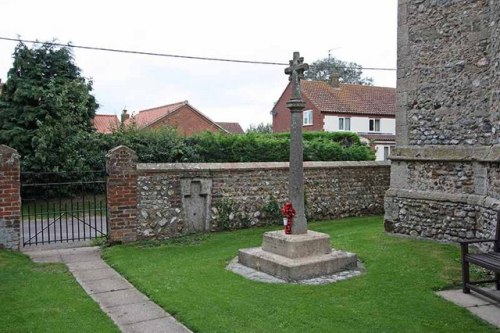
{"x":177,"y":199}
{"x":445,"y":181}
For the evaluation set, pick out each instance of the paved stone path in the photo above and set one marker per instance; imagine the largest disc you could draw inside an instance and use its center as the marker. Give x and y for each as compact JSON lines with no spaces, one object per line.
{"x":482,"y":307}
{"x":131,"y":310}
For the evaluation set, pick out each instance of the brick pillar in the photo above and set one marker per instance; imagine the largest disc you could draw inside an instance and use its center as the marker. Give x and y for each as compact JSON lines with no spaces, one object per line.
{"x":10,"y":198}
{"x":121,"y":166}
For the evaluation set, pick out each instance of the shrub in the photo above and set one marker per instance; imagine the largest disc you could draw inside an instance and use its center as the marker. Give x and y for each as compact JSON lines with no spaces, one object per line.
{"x":85,"y":151}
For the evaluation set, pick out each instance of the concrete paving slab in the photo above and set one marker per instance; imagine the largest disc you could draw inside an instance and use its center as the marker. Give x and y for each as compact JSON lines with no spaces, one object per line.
{"x":48,"y":259}
{"x":57,"y":246}
{"x":75,"y":257}
{"x":161,"y":325}
{"x":119,"y":297}
{"x":86,"y":265}
{"x":489,"y":313}
{"x":137,"y":312}
{"x":464,"y":300}
{"x":96,"y":274}
{"x":106,"y":285}
{"x":39,"y":254}
{"x":80,"y":250}
{"x":477,"y":304}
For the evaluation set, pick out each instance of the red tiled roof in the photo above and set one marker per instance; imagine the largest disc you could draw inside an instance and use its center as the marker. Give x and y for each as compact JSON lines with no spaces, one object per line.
{"x":105,"y":123}
{"x":350,"y":98}
{"x":147,"y":117}
{"x":234,"y":128}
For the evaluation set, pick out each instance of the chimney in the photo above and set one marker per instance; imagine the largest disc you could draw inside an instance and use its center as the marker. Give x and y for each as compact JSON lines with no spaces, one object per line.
{"x":334,"y":80}
{"x":125,"y":115}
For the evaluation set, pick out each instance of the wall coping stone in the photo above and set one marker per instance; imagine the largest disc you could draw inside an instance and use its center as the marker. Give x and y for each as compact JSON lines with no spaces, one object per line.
{"x":447,"y":153}
{"x":161,"y":167}
{"x":469,"y":199}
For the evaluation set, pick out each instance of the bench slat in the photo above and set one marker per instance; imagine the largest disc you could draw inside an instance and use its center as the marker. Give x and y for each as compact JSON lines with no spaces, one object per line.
{"x":487,"y":260}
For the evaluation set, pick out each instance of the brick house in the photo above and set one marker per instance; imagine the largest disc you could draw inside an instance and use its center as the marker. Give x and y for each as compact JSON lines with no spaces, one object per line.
{"x":234,"y":128}
{"x":105,"y":123}
{"x":332,"y":106}
{"x":182,"y":116}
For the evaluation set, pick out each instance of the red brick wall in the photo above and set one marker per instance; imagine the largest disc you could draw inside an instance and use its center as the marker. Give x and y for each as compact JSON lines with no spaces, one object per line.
{"x":121,"y":165}
{"x":10,"y":198}
{"x":188,"y":122}
{"x":281,"y":121}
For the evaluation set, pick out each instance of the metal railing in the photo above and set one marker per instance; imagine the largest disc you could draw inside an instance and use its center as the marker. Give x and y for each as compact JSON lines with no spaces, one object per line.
{"x":63,"y":207}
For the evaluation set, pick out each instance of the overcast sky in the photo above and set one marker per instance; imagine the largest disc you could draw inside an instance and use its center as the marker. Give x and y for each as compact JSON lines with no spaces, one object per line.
{"x":363,"y":31}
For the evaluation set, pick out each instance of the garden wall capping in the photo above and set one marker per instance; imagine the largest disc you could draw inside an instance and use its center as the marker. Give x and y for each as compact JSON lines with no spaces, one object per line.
{"x":162,"y":167}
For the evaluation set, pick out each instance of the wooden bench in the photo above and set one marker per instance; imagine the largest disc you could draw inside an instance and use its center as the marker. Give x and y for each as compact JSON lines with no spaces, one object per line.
{"x":488,"y":260}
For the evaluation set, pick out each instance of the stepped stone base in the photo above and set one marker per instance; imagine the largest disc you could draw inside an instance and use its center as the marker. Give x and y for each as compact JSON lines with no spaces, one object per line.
{"x":297,"y":257}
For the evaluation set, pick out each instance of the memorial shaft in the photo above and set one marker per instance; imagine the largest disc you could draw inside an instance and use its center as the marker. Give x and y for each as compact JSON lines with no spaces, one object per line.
{"x":296,"y":175}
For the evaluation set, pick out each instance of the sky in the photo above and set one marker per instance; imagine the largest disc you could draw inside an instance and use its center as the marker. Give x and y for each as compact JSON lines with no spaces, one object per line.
{"x":362,"y":31}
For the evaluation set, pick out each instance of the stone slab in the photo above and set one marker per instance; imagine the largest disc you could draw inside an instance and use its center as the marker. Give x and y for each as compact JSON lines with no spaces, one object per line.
{"x":489,"y":313}
{"x":95,"y":274}
{"x":254,"y":275}
{"x":161,"y":325}
{"x":119,"y":297}
{"x":86,"y":265}
{"x":70,"y":257}
{"x":296,"y":246}
{"x":464,"y":300}
{"x":137,"y":312}
{"x":299,"y":268}
{"x":105,"y":285}
{"x":481,"y":306}
{"x":48,"y":259}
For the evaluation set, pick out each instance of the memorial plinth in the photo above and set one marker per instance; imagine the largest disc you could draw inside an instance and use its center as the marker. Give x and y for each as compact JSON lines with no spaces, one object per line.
{"x":297,"y":257}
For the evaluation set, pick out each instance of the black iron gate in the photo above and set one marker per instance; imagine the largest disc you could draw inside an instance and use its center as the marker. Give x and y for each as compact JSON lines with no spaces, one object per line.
{"x":63,"y":207}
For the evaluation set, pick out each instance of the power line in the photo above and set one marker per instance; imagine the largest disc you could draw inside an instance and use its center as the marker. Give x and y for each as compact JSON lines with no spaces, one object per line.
{"x":156,"y":54}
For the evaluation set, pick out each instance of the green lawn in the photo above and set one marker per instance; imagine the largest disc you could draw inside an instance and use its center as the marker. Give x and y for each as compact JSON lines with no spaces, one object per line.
{"x":187,"y":277}
{"x":45,"y":298}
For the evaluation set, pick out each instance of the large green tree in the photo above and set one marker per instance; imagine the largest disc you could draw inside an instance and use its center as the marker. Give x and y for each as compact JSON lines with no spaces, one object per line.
{"x":348,"y":72}
{"x":44,"y":103}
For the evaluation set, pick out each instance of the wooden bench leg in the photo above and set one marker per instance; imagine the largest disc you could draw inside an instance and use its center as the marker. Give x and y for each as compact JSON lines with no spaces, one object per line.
{"x":465,"y":269}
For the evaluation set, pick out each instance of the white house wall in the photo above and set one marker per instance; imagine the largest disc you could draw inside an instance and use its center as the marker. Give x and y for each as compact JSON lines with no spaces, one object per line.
{"x":379,"y":152}
{"x":360,"y":124}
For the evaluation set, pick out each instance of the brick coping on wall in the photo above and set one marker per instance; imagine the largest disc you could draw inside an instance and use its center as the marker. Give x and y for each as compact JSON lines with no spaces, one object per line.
{"x":161,"y":167}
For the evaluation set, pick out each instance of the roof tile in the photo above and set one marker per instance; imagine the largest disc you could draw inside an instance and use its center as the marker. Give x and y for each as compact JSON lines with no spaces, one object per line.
{"x":147,"y":117}
{"x":232,"y":127}
{"x":105,"y":123}
{"x":351,"y":98}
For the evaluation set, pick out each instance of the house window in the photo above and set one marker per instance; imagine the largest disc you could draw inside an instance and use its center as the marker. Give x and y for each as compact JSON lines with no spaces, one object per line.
{"x":374,"y":125}
{"x":344,"y":124}
{"x":308,"y":117}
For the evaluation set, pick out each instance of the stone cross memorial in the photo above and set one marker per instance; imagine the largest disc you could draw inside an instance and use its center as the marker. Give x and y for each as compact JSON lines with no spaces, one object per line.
{"x":303,"y":254}
{"x":296,"y":178}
